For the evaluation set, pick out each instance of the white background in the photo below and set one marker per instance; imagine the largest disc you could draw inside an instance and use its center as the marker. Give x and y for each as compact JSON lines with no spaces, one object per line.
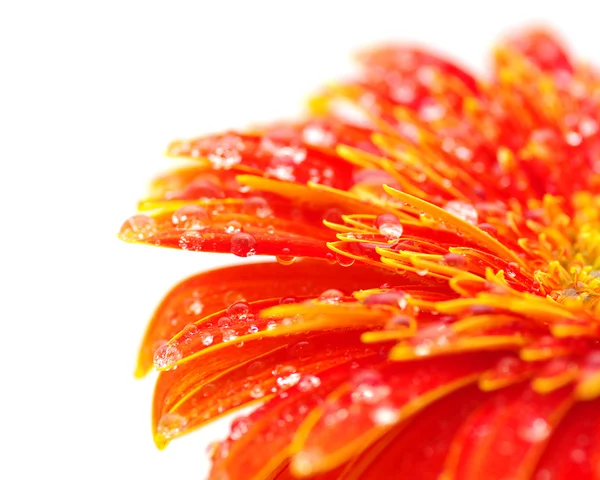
{"x":90,"y":95}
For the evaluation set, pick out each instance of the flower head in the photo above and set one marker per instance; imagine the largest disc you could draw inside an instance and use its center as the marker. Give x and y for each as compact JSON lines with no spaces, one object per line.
{"x":434,"y":310}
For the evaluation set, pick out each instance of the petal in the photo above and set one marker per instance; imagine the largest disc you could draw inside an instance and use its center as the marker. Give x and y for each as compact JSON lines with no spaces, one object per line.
{"x":264,"y":445}
{"x":232,"y":375}
{"x":214,"y":291}
{"x":507,"y":435}
{"x":365,"y":408}
{"x":421,"y":444}
{"x":574,"y":448}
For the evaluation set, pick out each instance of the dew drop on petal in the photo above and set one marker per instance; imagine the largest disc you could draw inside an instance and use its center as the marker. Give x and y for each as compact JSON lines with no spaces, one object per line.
{"x":138,"y":228}
{"x":285,"y":258}
{"x":455,"y":260}
{"x":343,"y":260}
{"x":286,"y":376}
{"x":370,"y":390}
{"x":206,"y":338}
{"x":229,"y":335}
{"x":386,"y":219}
{"x":393,"y":231}
{"x":233,"y":227}
{"x":463,"y":210}
{"x":166,"y":356}
{"x":224,"y":322}
{"x":191,"y":240}
{"x":171,"y":425}
{"x":191,"y":217}
{"x":301,"y":350}
{"x":385,"y":415}
{"x":537,"y":431}
{"x":308,"y":382}
{"x":271,"y":325}
{"x":238,"y":310}
{"x":252,"y":329}
{"x":190,"y":330}
{"x":243,"y":245}
{"x":193,"y":306}
{"x":257,"y":391}
{"x":257,"y":206}
{"x":304,"y":462}
{"x":398,"y":322}
{"x":331,"y":296}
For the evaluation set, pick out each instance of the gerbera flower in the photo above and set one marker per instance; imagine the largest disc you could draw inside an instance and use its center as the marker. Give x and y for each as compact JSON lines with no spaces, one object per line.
{"x":434,"y":310}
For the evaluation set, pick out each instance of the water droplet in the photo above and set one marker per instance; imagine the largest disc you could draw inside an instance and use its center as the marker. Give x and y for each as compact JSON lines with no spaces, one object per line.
{"x":206,"y":338}
{"x":398,"y":322}
{"x":573,"y":138}
{"x":287,"y":301}
{"x":578,"y":455}
{"x":489,"y":229}
{"x":243,"y":245}
{"x":238,"y":310}
{"x":191,"y":240}
{"x":463,"y":210}
{"x":370,"y":390}
{"x":255,"y":368}
{"x":286,"y":376}
{"x":233,"y":296}
{"x":224,"y":322}
{"x":331,"y":296}
{"x":317,"y":135}
{"x":330,"y":257}
{"x":537,"y":431}
{"x":343,"y":260}
{"x":285,"y":258}
{"x":455,"y":260}
{"x":385,"y":416}
{"x":257,"y":206}
{"x":193,"y":306}
{"x":138,"y":228}
{"x":208,"y":390}
{"x":393,"y":231}
{"x":257,"y":391}
{"x":394,"y":298}
{"x":422,"y":272}
{"x":512,"y":269}
{"x":271,"y":325}
{"x":233,"y":227}
{"x":166,"y":356}
{"x":252,"y":329}
{"x":308,"y":382}
{"x":304,"y":462}
{"x":431,"y":337}
{"x":239,"y":427}
{"x":229,"y":335}
{"x":191,"y":217}
{"x":226,"y":151}
{"x":301,"y":350}
{"x":190,"y":330}
{"x":171,"y":425}
{"x":386,"y":219}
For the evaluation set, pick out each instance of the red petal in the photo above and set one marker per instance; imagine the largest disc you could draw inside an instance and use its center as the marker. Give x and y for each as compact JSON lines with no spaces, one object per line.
{"x":506,"y":436}
{"x":363,"y":409}
{"x":207,"y":293}
{"x":574,"y":448}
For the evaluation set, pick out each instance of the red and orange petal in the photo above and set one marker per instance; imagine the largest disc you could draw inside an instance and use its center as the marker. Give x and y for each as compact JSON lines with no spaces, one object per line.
{"x":434,"y":311}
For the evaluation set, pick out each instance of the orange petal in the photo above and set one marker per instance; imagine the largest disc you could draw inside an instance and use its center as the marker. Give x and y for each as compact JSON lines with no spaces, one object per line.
{"x":207,"y":293}
{"x":366,"y":407}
